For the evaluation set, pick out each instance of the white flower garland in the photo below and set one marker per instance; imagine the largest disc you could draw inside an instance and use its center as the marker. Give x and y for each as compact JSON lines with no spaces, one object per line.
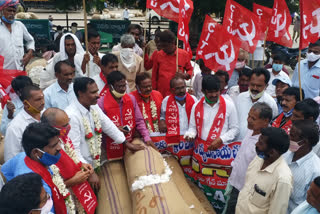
{"x":69,"y":149}
{"x":154,"y":117}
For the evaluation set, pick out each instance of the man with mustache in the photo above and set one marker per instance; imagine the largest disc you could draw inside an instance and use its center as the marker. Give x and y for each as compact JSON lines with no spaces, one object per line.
{"x":257,"y":86}
{"x":281,"y":83}
{"x":33,"y":103}
{"x":243,"y":84}
{"x":12,"y":37}
{"x":290,"y":98}
{"x":61,"y":94}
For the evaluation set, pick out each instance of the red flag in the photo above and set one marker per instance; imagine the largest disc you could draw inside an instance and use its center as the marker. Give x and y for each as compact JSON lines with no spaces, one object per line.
{"x":243,"y":23}
{"x":264,"y":14}
{"x":280,"y":24}
{"x":183,"y":27}
{"x":218,"y":48}
{"x":170,"y":8}
{"x":310,"y":22}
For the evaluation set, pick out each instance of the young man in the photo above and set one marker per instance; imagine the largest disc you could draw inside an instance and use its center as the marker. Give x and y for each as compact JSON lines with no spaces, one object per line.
{"x":281,"y":83}
{"x":307,"y":109}
{"x":213,"y":125}
{"x":197,"y":82}
{"x":223,"y":76}
{"x":243,"y":84}
{"x":259,"y":117}
{"x":33,"y":104}
{"x":165,"y":65}
{"x":60,"y":94}
{"x":290,"y":97}
{"x":302,"y":161}
{"x":258,"y":83}
{"x":268,"y":182}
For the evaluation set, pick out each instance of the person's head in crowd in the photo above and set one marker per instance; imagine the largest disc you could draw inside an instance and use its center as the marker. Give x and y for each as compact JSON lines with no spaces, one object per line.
{"x":135,"y":30}
{"x":109,"y":63}
{"x":33,"y":99}
{"x":74,"y":27}
{"x":223,"y":76}
{"x":57,"y":118}
{"x":157,"y":40}
{"x":272,"y":143}
{"x":117,"y":84}
{"x":127,"y":56}
{"x":41,"y":143}
{"x":290,"y":97}
{"x":258,"y":82}
{"x":70,"y":46}
{"x":9,"y":12}
{"x":277,"y":63}
{"x":50,"y":18}
{"x":259,"y":117}
{"x":144,"y":84}
{"x":304,"y":134}
{"x":276,"y":51}
{"x":25,"y":194}
{"x":244,"y":79}
{"x":313,"y":194}
{"x":127,"y":41}
{"x":242,"y":60}
{"x":313,"y":54}
{"x":178,"y":88}
{"x":64,"y":72}
{"x":204,"y":69}
{"x":59,"y":29}
{"x":19,"y":82}
{"x":281,"y":83}
{"x":168,"y":42}
{"x":211,"y":89}
{"x":307,"y":109}
{"x":86,"y":91}
{"x":94,"y":40}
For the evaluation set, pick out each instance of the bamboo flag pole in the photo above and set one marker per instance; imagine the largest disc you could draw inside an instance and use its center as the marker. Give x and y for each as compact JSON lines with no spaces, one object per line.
{"x":252,"y":59}
{"x":86,"y":32}
{"x":177,"y":61}
{"x":264,"y":46}
{"x":300,"y":89}
{"x":144,"y":34}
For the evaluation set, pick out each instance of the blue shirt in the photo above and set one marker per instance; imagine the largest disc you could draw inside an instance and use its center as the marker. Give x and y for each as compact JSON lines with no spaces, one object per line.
{"x":55,"y":96}
{"x":305,"y":208}
{"x":310,"y":78}
{"x":16,"y":166}
{"x":5,"y":120}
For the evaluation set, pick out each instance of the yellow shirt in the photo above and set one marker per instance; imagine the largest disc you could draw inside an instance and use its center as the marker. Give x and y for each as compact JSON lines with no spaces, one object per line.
{"x":267,"y":190}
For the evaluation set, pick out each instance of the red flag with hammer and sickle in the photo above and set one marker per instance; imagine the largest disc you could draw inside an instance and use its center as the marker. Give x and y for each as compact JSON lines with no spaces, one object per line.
{"x":264,"y":14}
{"x":280,"y":24}
{"x":217,"y":48}
{"x":241,"y":22}
{"x":310,"y":22}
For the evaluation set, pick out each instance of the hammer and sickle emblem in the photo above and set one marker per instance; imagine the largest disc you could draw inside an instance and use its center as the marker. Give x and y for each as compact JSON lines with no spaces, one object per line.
{"x":248,"y":36}
{"x":88,"y":196}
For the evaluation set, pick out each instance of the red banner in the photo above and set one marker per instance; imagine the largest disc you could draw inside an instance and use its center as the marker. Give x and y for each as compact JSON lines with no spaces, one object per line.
{"x":241,"y":22}
{"x":280,"y":24}
{"x":310,"y":22}
{"x":218,"y":48}
{"x":265,"y":15}
{"x":183,"y":27}
{"x":170,"y":8}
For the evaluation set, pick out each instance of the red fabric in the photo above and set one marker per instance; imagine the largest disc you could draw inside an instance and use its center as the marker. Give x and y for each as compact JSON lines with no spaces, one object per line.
{"x":309,"y":24}
{"x":264,"y":14}
{"x":148,"y":62}
{"x":156,"y":97}
{"x":280,"y":24}
{"x":242,"y":23}
{"x":106,"y":86}
{"x":286,"y":127}
{"x":217,"y":48}
{"x":126,"y":117}
{"x":58,"y":199}
{"x":183,"y":26}
{"x":164,"y":69}
{"x":172,"y":118}
{"x":169,"y":8}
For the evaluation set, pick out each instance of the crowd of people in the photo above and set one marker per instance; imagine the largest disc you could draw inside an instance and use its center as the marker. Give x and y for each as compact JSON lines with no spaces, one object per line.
{"x":91,"y":107}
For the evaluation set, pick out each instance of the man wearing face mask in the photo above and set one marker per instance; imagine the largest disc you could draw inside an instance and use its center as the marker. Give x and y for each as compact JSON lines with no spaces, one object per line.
{"x":269,"y":180}
{"x":12,"y":37}
{"x":302,"y":161}
{"x":33,"y":104}
{"x":310,"y":72}
{"x":130,"y":64}
{"x":242,"y":61}
{"x":42,"y":148}
{"x":281,"y":84}
{"x":290,"y":97}
{"x":243,"y":84}
{"x":257,"y":85}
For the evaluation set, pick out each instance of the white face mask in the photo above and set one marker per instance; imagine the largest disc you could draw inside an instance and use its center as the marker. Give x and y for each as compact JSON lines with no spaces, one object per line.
{"x":127,"y":58}
{"x":46,"y":209}
{"x":311,"y":57}
{"x":256,"y":96}
{"x":240,"y":64}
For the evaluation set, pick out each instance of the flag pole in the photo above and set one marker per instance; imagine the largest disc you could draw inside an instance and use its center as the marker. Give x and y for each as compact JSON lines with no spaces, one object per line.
{"x":252,"y":59}
{"x":299,"y":66}
{"x":86,"y":31}
{"x":177,"y":61}
{"x":144,"y":34}
{"x":264,"y":46}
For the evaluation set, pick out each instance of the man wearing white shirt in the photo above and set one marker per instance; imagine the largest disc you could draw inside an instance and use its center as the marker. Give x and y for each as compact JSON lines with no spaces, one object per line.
{"x":276,"y":72}
{"x":61,"y":94}
{"x":90,"y":63}
{"x":258,"y":83}
{"x":243,"y":84}
{"x":259,"y":117}
{"x":33,"y":102}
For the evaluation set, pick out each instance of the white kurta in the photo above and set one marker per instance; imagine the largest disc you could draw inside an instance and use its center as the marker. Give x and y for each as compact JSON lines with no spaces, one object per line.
{"x":94,"y":69}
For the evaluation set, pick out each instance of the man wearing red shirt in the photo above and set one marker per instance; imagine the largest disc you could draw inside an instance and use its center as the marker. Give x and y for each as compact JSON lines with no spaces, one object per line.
{"x":164,"y":65}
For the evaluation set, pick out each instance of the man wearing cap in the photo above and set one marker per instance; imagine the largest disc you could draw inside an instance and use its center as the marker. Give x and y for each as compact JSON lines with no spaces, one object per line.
{"x":13,"y":36}
{"x":281,"y":83}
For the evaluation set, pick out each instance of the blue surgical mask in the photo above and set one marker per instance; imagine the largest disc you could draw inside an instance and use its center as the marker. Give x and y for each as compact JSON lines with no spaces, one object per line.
{"x":277,"y":67}
{"x":6,"y":20}
{"x":180,"y":98}
{"x":48,"y":159}
{"x":261,"y":154}
{"x":288,"y":114}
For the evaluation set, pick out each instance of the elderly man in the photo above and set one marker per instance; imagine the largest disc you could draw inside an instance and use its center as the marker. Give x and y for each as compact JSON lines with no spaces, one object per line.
{"x":33,"y":103}
{"x":13,"y":37}
{"x":242,"y":62}
{"x":130,"y":64}
{"x":61,"y":94}
{"x":281,"y":83}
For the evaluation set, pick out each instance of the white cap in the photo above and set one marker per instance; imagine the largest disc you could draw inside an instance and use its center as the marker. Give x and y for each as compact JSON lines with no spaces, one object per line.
{"x":285,"y":79}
